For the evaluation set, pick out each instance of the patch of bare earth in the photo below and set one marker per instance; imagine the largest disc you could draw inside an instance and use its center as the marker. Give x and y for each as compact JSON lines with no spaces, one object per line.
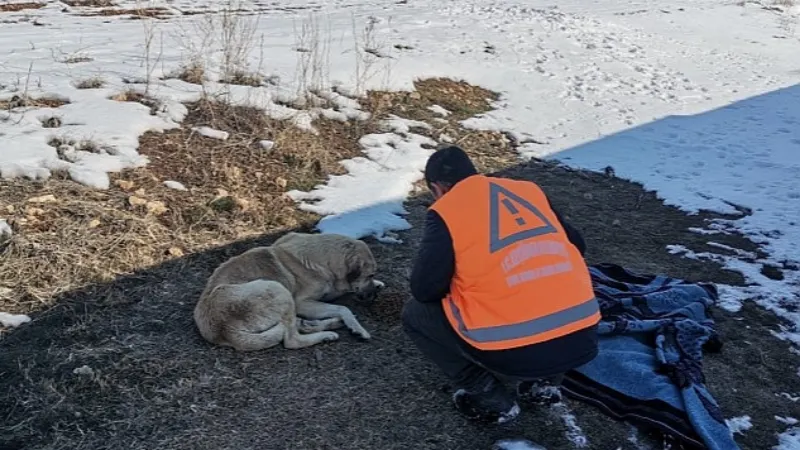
{"x":118,"y":358}
{"x":15,"y":7}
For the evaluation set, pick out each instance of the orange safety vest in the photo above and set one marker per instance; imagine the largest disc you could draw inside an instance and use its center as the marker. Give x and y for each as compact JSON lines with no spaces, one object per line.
{"x":518,"y":280}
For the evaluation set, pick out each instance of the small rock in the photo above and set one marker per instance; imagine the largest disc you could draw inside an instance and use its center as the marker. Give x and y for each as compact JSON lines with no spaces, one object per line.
{"x":588,"y":196}
{"x":49,"y":198}
{"x":83,"y":370}
{"x":175,"y":251}
{"x":124,"y":184}
{"x":156,"y":207}
{"x":280,"y":181}
{"x":10,"y":208}
{"x":266,"y":145}
{"x":136,"y":201}
{"x":94,"y":223}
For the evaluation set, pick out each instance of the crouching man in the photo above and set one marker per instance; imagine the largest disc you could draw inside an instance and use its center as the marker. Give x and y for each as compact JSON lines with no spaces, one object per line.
{"x":501,"y":290}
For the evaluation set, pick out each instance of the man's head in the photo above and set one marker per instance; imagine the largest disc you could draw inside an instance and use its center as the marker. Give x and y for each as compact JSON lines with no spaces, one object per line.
{"x":447,"y":166}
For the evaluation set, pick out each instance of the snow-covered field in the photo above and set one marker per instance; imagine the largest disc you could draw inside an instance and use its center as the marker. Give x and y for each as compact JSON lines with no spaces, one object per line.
{"x":698,"y":100}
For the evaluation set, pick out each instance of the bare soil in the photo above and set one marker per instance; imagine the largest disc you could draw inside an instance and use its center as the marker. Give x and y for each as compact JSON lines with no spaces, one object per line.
{"x":117,"y":363}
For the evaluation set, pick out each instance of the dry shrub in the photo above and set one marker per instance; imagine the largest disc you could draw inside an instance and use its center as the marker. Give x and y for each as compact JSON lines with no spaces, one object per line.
{"x":22,"y":101}
{"x":193,"y":73}
{"x":90,"y":83}
{"x":14,"y":7}
{"x":243,"y":78}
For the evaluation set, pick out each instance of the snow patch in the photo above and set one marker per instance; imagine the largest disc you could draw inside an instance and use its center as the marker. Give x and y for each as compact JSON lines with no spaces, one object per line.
{"x":211,"y":133}
{"x":738,"y":424}
{"x":178,"y":186}
{"x":13,"y":320}
{"x":574,"y":432}
{"x":786,"y":420}
{"x":368,"y":200}
{"x":436,"y":109}
{"x":5,"y":231}
{"x":789,"y":440}
{"x":516,"y":444}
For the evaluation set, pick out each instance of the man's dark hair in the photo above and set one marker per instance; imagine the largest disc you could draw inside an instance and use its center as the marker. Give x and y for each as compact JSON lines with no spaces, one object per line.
{"x":448,"y":165}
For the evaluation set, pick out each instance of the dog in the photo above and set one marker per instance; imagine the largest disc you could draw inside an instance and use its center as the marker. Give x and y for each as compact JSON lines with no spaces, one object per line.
{"x":252,"y":301}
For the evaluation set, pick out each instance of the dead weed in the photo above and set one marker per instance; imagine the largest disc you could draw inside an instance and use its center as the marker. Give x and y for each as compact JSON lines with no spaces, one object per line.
{"x":135,"y":13}
{"x":15,"y":7}
{"x":22,"y":101}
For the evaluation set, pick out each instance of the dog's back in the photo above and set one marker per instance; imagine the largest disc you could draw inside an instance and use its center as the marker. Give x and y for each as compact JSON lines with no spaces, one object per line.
{"x":230,"y":300}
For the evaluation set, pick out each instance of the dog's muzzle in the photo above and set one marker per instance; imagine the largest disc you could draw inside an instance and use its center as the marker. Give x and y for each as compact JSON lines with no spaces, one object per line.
{"x":370,"y":293}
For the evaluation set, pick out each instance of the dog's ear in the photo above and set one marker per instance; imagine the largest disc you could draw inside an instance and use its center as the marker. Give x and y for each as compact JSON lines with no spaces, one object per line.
{"x":353,"y":274}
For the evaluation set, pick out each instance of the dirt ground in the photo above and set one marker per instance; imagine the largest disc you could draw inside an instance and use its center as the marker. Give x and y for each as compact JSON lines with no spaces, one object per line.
{"x":118,"y":364}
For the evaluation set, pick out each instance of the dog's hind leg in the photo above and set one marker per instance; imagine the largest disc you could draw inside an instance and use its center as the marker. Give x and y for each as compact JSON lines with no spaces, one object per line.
{"x":245,"y":341}
{"x":313,"y":326}
{"x":292,"y":338}
{"x":317,"y":310}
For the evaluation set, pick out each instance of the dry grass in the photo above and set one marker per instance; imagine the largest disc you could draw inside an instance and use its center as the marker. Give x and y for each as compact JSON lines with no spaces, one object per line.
{"x":89,"y":3}
{"x":23,"y":101}
{"x":235,"y":189}
{"x":191,"y":73}
{"x":244,"y":78}
{"x":90,"y":83}
{"x":14,"y":7}
{"x":134,"y":13}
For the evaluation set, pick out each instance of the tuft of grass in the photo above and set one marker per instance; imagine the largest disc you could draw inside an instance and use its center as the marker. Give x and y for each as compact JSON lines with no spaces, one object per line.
{"x":192,"y":73}
{"x":135,"y":13}
{"x":90,"y":83}
{"x":244,"y":78}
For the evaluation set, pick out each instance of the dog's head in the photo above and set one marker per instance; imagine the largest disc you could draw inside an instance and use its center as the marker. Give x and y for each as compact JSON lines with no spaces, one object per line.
{"x":360,"y":268}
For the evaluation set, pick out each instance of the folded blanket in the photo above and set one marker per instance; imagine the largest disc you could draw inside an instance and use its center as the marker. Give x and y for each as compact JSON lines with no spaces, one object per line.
{"x":649,"y":368}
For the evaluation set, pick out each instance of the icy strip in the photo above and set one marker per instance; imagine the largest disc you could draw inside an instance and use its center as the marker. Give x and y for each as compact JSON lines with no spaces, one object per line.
{"x":738,"y":424}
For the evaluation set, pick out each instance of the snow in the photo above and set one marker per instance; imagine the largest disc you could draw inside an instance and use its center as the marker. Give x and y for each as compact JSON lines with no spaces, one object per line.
{"x":789,"y":440}
{"x":266,"y":145}
{"x":5,"y":231}
{"x":436,"y":109}
{"x":786,"y":420}
{"x":178,"y":186}
{"x":13,"y":320}
{"x":516,"y":444}
{"x":211,"y":133}
{"x":739,"y":424}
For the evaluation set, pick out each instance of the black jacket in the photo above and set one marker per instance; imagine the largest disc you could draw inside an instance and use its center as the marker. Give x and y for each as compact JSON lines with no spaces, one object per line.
{"x":430,"y":282}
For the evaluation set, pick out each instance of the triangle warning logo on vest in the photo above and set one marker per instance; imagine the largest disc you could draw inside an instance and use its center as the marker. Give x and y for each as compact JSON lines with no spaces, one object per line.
{"x":512,"y":219}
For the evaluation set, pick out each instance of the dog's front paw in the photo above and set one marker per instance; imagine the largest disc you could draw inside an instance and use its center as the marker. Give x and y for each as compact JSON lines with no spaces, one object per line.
{"x":362,"y":333}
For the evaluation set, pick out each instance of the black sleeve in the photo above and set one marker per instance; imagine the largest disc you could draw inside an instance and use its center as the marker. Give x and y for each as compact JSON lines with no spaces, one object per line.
{"x":573,"y":235}
{"x":435,"y":262}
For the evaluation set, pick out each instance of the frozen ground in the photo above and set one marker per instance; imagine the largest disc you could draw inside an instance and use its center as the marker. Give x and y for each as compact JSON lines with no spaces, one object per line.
{"x":697,"y":100}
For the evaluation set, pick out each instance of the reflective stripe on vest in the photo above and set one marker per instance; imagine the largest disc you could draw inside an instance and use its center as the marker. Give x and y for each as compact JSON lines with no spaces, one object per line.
{"x":539,"y":325}
{"x":518,"y":280}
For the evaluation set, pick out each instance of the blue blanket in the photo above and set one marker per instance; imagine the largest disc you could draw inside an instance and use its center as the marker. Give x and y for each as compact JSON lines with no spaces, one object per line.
{"x":649,"y":369}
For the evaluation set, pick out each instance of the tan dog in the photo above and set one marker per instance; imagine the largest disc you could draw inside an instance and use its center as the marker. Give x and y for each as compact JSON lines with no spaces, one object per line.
{"x":251,"y":302}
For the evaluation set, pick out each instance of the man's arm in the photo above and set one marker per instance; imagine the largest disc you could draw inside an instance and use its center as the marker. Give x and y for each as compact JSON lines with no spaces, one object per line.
{"x":435,"y":262}
{"x":573,"y":235}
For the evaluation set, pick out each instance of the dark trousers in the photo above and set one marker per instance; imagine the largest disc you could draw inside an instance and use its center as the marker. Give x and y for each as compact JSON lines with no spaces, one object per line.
{"x":427,"y":325}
